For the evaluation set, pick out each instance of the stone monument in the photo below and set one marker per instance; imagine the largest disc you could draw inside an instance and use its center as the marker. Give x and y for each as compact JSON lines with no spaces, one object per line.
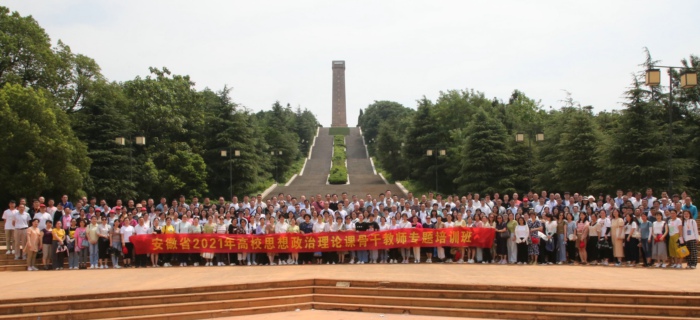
{"x":339,"y":119}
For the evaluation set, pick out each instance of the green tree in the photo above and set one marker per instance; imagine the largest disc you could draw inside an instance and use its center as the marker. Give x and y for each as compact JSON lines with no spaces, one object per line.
{"x":39,"y":153}
{"x":485,"y":163}
{"x":371,"y":119}
{"x":576,"y":160}
{"x":422,"y":136}
{"x":635,"y":156}
{"x":100,"y":120}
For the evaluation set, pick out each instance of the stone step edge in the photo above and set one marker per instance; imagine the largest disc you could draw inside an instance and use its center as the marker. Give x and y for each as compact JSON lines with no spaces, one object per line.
{"x":29,"y":303}
{"x":180,"y":290}
{"x":152,"y":307}
{"x":218,"y":313}
{"x":500,"y":314}
{"x":511,"y":304}
{"x":6,"y":304}
{"x":536,"y":296}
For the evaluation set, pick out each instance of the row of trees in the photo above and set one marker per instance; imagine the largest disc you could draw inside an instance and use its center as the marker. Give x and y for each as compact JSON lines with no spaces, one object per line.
{"x":582,"y":151}
{"x":59,"y":117}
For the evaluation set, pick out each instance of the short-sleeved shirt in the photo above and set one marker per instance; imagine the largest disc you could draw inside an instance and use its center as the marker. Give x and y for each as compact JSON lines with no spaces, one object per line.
{"x":127,"y":232}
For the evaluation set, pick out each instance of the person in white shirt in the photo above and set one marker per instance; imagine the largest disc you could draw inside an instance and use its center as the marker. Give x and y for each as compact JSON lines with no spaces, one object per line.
{"x":127,"y":230}
{"x":690,"y":238}
{"x":8,"y":216}
{"x":342,"y":211}
{"x":674,"y":233}
{"x":43,"y":216}
{"x":20,"y":223}
{"x":281,"y":227}
{"x":140,"y":229}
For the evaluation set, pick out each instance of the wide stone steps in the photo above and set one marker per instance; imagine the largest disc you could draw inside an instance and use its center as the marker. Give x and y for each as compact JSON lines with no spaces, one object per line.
{"x":480,"y":301}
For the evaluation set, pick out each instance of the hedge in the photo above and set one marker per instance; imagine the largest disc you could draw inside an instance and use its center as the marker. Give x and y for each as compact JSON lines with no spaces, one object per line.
{"x":339,"y":172}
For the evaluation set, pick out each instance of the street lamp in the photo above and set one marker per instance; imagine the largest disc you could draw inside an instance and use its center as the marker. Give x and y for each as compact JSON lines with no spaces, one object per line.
{"x":520,"y":137}
{"x":689,"y":79}
{"x":224,"y":154}
{"x":441,"y":153}
{"x":141,"y":141}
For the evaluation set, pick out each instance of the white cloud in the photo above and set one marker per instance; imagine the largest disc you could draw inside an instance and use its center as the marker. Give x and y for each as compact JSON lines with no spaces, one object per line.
{"x":394,"y":50}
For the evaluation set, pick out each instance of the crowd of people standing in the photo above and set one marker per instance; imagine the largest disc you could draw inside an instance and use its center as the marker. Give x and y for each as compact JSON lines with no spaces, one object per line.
{"x":628,"y":229}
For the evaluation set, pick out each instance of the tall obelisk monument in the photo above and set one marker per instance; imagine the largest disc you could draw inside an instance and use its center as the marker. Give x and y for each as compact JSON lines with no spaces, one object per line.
{"x":339,"y":118}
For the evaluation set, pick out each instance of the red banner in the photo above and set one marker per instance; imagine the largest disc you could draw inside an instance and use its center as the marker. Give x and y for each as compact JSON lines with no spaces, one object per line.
{"x":316,"y":242}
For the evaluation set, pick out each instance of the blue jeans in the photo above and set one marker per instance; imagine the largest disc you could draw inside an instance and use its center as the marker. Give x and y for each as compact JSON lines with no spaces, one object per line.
{"x":115,"y":258}
{"x":251,"y":257}
{"x":73,"y":259}
{"x":646,"y":249}
{"x":383,"y":255}
{"x":94,"y":254}
{"x":362,"y":255}
{"x":561,"y":248}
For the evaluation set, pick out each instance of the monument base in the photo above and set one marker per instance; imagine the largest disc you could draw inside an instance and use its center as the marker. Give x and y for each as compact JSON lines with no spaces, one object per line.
{"x":343,"y":131}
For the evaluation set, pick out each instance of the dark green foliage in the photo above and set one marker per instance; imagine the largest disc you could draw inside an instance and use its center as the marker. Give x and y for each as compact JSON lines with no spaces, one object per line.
{"x":339,"y":172}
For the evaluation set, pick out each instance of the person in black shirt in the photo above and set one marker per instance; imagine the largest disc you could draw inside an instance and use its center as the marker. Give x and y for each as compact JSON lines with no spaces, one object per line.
{"x":306,"y":227}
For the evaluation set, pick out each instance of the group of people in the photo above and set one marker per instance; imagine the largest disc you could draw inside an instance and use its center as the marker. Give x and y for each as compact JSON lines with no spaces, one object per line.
{"x":627,"y":229}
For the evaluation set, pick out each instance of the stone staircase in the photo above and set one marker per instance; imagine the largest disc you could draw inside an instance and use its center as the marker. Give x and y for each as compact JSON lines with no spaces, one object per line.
{"x":479,"y":301}
{"x":362,"y":177}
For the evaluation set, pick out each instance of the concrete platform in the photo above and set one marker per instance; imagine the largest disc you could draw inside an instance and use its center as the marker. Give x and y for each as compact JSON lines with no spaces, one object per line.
{"x":37,"y":284}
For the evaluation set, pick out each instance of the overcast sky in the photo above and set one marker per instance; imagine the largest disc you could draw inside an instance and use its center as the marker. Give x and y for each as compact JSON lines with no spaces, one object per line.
{"x":394,"y":50}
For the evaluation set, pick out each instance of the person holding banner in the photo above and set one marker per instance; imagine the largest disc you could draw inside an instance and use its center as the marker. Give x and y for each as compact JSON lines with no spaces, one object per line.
{"x":349,"y":225}
{"x":405,"y":224}
{"x":307,"y":227}
{"x":394,"y":252}
{"x":461,"y":223}
{"x":280,"y":228}
{"x":319,"y":227}
{"x":195,"y":228}
{"x":294,"y":229}
{"x":384,"y":253}
{"x":209,"y":228}
{"x":416,"y":250}
{"x":155,"y":229}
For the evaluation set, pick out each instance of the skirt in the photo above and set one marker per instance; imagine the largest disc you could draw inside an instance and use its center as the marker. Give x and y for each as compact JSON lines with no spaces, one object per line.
{"x":618,"y":248}
{"x":533,"y":249}
{"x":502,"y":245}
{"x":659,"y":251}
{"x":673,"y":245}
{"x":592,"y":248}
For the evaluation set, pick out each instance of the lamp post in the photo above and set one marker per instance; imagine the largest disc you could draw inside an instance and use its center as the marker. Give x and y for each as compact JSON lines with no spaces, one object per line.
{"x":227,"y":153}
{"x":437,"y":153}
{"x":520,"y":137}
{"x":689,"y":79}
{"x":140,"y":140}
{"x":273,"y":153}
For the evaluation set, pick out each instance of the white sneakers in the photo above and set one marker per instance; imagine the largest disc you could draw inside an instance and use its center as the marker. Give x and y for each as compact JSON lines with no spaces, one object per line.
{"x":8,"y":252}
{"x":196,"y":264}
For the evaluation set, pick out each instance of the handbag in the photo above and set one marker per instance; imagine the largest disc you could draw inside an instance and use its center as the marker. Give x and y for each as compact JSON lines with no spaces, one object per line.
{"x":70,"y":245}
{"x":61,"y":248}
{"x":572,"y":237}
{"x":550,"y":246}
{"x":125,"y":250}
{"x":636,"y":235}
{"x":84,"y":243}
{"x":505,"y":234}
{"x":582,"y":245}
{"x":603,"y":244}
{"x":682,"y":251}
{"x":535,"y":239}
